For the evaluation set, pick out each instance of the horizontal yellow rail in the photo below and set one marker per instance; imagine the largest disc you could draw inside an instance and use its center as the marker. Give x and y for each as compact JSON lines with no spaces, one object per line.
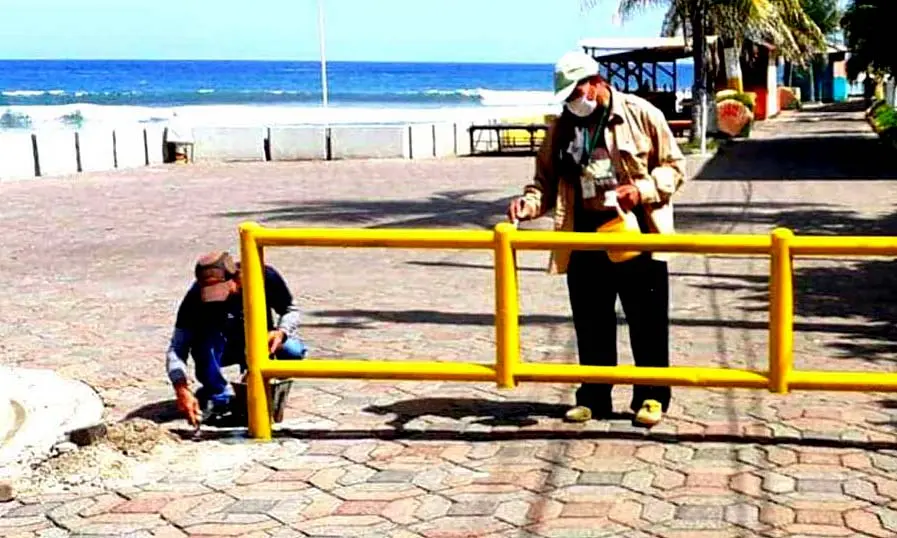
{"x":844,"y":246}
{"x":843,"y":381}
{"x":374,"y":238}
{"x":544,"y":240}
{"x":674,"y":375}
{"x":781,"y":247}
{"x":399,"y":370}
{"x":703,"y":244}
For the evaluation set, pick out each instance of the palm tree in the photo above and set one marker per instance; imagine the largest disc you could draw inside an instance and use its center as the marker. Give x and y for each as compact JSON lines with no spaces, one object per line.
{"x":784,"y":23}
{"x":826,"y":15}
{"x":868,"y":26}
{"x":692,"y":13}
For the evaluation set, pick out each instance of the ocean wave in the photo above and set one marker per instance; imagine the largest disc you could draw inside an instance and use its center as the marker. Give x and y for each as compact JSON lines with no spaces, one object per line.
{"x":220,"y":96}
{"x":31,"y":93}
{"x":88,"y":115}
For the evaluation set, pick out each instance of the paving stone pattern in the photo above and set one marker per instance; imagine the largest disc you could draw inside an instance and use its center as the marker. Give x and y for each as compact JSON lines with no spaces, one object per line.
{"x":94,"y":266}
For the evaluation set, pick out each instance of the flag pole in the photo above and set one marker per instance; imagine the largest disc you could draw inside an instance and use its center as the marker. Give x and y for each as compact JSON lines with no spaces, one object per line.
{"x":323,"y":56}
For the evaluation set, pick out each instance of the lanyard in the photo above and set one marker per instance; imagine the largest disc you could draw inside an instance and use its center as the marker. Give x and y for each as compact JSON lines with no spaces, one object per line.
{"x":592,"y":142}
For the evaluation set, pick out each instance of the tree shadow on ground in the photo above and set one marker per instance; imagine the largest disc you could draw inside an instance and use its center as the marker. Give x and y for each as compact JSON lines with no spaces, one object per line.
{"x":801,"y":218}
{"x":463,"y":265}
{"x":461,"y":208}
{"x":829,"y":132}
{"x":863,"y":292}
{"x":851,"y":105}
{"x":858,"y":156}
{"x":366,"y":319}
{"x":854,"y":302}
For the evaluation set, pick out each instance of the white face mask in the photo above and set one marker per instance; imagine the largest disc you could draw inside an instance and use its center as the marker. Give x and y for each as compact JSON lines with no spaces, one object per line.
{"x":582,"y":107}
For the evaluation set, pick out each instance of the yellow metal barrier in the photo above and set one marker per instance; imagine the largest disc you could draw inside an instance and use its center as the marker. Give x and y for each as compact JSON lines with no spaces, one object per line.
{"x":781,"y":246}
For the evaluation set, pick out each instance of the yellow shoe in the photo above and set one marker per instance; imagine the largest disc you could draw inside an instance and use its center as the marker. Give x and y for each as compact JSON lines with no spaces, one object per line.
{"x":650,"y":414}
{"x":578,"y":414}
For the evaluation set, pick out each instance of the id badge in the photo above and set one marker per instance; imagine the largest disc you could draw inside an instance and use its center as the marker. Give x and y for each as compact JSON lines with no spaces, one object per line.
{"x":598,"y":176}
{"x":589,"y":187}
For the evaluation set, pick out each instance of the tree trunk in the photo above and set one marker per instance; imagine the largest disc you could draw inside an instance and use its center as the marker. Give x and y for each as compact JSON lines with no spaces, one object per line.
{"x":699,"y":87}
{"x":812,"y":75}
{"x":732,"y":63}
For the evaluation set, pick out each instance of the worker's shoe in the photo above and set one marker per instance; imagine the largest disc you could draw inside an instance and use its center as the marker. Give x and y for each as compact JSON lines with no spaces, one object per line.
{"x":580,"y":413}
{"x":583,"y":413}
{"x":221,"y":415}
{"x":207,"y":411}
{"x":650,"y":413}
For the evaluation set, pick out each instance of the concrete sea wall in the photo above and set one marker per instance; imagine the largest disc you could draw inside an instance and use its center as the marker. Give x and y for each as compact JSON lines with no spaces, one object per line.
{"x":56,"y":153}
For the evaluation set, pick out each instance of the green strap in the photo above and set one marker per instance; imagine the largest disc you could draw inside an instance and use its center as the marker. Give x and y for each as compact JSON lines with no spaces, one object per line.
{"x":592,"y":143}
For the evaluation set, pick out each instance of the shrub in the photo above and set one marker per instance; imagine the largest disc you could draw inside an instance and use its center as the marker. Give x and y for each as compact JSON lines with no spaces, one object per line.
{"x":884,"y":120}
{"x":75,"y":119}
{"x":748,"y":99}
{"x":876,"y":107}
{"x":14,"y":120}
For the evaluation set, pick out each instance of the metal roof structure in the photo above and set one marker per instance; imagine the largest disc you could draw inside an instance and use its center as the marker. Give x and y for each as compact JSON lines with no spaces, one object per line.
{"x":639,"y":49}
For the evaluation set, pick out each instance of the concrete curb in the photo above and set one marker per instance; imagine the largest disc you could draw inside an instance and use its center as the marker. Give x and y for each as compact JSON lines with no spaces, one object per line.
{"x":52,"y":406}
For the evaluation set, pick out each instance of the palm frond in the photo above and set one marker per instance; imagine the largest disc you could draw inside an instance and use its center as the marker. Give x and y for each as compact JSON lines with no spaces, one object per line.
{"x":626,"y":9}
{"x":673,"y":20}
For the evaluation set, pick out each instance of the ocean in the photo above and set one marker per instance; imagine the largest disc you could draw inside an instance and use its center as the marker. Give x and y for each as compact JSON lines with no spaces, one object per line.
{"x":64,"y":94}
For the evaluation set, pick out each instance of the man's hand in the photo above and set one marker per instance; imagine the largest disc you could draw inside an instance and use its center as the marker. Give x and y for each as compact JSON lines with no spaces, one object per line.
{"x":519,"y":210}
{"x":628,"y":197}
{"x":275,"y":340}
{"x":187,"y":404}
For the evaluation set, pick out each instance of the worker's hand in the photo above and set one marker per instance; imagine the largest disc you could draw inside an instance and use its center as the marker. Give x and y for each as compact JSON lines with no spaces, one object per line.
{"x":187,"y":404}
{"x":275,"y":340}
{"x":519,"y":210}
{"x":628,"y":197}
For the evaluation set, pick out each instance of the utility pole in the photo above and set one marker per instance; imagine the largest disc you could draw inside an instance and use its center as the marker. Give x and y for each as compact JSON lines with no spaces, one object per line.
{"x":324,"y":89}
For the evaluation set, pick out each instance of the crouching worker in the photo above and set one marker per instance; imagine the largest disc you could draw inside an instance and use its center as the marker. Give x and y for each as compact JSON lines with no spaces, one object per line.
{"x":209,"y":327}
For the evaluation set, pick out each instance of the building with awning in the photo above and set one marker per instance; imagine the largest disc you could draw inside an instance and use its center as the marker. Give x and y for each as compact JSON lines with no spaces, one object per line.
{"x":649,"y":67}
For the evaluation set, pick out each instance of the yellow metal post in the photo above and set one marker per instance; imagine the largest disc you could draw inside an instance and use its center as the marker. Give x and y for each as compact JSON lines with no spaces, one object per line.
{"x":781,"y":311}
{"x":256,"y":331}
{"x":507,"y":323}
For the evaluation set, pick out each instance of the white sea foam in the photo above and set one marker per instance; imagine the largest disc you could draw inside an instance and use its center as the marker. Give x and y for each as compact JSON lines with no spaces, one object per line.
{"x":487,"y":105}
{"x":515,"y":98}
{"x":23,"y":93}
{"x":81,"y":115}
{"x":276,"y":96}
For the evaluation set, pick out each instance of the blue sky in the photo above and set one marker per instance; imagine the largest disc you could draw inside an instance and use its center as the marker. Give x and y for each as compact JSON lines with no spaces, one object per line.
{"x":372,"y":30}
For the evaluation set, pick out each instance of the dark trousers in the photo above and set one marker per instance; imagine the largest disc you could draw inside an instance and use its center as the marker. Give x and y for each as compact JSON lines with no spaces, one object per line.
{"x":594,"y":282}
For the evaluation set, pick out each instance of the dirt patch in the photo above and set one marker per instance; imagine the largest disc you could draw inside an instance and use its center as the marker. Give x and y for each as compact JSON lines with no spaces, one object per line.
{"x":121,"y":456}
{"x":137,"y":436}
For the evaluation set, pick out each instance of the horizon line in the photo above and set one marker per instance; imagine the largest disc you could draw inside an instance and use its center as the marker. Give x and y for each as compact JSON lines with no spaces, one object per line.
{"x":271,"y":60}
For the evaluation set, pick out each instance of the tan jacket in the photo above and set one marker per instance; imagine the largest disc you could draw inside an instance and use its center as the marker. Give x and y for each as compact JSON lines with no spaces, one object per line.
{"x":644,"y":153}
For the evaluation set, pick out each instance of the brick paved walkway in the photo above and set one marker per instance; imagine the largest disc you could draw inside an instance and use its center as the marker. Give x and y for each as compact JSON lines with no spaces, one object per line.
{"x":93,"y":268}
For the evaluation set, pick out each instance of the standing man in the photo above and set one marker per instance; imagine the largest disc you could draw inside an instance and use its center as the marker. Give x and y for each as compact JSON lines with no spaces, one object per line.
{"x":209,"y":326}
{"x":607,"y":152}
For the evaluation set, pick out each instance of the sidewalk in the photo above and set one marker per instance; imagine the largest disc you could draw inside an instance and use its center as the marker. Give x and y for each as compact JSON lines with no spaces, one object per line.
{"x":437,"y":460}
